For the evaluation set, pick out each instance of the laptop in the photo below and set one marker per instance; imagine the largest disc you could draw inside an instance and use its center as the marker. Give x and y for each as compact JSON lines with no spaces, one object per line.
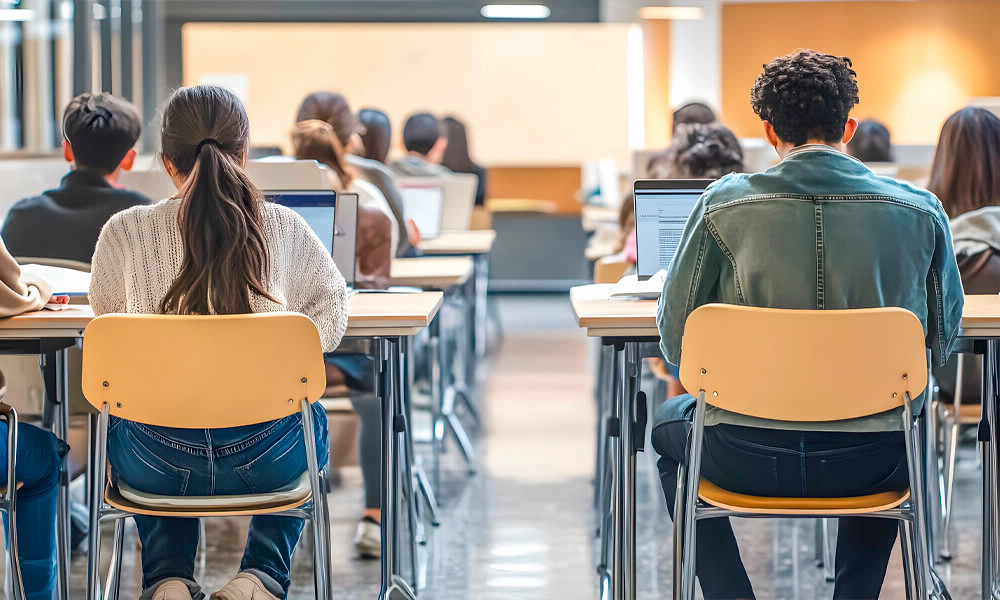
{"x":662,"y":209}
{"x":345,"y":236}
{"x":423,"y":203}
{"x":459,"y":201}
{"x":318,"y":208}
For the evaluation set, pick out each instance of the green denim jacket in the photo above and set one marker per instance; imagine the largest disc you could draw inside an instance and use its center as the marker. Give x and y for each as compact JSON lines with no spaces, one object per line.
{"x":817,"y":231}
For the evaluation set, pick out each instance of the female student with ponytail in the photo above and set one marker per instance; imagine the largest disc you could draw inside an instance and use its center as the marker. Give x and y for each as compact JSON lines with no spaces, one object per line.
{"x":215,"y":248}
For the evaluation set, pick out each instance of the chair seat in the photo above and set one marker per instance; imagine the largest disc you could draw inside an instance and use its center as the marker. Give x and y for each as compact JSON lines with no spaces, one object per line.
{"x":337,"y":402}
{"x":743,"y":503}
{"x":125,"y":497}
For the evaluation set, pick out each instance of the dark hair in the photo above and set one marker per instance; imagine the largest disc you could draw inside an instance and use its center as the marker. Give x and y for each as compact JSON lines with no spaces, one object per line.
{"x":456,"y":155}
{"x":421,"y":132}
{"x":316,"y":140}
{"x":871,"y":143}
{"x":965,"y":174}
{"x":377,"y":133}
{"x":699,"y":151}
{"x":806,"y":96}
{"x":101,"y":129}
{"x":693,"y":112}
{"x":332,"y":108}
{"x":205,"y":135}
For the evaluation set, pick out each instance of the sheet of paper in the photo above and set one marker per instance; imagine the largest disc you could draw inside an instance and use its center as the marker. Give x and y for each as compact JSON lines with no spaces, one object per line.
{"x":69,"y":282}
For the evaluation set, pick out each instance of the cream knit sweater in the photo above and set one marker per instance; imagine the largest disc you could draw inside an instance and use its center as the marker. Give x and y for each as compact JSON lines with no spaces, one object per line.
{"x":139,"y":254}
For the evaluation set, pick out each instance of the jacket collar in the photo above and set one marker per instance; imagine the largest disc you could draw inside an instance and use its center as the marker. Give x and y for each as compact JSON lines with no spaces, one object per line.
{"x":85,"y":178}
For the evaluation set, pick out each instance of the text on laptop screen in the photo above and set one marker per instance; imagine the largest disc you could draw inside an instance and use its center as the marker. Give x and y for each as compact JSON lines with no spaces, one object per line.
{"x":660,"y":217}
{"x":317,"y":208}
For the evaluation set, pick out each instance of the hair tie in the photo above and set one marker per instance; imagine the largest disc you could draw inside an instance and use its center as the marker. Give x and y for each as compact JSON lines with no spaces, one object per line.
{"x":202,"y":143}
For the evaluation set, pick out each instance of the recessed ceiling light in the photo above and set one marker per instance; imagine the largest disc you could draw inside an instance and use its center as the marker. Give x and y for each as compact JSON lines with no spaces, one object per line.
{"x":516,"y":11}
{"x":671,"y":12}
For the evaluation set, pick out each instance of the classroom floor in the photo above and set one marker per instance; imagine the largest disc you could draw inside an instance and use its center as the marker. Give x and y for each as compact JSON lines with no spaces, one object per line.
{"x":523,"y":527}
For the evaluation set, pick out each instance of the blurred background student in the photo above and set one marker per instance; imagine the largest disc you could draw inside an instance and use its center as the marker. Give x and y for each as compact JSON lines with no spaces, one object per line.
{"x":425,"y":140}
{"x":456,"y":156}
{"x":872,"y":142}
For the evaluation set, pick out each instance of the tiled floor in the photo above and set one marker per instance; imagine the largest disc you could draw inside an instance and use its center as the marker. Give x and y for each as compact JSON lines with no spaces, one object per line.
{"x":523,"y":528}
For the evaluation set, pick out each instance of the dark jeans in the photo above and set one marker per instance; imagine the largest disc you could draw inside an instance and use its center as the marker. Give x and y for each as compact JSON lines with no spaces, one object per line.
{"x":39,"y":459}
{"x":201,"y":462}
{"x":772,"y":462}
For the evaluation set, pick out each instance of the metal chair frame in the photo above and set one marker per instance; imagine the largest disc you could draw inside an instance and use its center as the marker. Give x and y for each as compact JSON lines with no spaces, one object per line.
{"x":8,"y":496}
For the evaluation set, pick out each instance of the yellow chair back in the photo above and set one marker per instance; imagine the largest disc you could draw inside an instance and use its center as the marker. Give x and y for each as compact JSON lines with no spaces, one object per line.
{"x":803,"y":365}
{"x":202,"y":371}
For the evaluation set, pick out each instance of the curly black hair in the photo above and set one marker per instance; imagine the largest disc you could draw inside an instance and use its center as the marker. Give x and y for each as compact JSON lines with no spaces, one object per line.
{"x":806,"y":95}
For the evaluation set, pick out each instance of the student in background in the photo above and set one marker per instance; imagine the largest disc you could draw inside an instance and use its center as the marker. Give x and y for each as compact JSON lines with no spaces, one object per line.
{"x":872,"y":143}
{"x":376,"y":134}
{"x":334,"y":109}
{"x":697,"y":152}
{"x":693,"y":113}
{"x":39,"y":454}
{"x":218,"y":248}
{"x":317,"y":140}
{"x":457,"y":159}
{"x":425,"y":141}
{"x":965,"y":176}
{"x":100,"y":132}
{"x":730,"y":254}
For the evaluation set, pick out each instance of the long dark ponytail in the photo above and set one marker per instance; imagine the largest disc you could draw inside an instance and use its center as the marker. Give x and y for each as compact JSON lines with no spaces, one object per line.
{"x":206,"y":135}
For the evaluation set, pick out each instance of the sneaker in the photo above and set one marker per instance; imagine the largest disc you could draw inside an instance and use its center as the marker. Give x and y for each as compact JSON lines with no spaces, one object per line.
{"x":172,"y":589}
{"x":368,"y":539}
{"x":245,"y":586}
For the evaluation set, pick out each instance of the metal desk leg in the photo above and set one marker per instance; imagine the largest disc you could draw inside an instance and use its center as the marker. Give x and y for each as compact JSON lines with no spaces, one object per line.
{"x":54,"y":366}
{"x":988,"y":437}
{"x":623,"y":577}
{"x":387,"y":358}
{"x":609,"y":474}
{"x":482,"y":277}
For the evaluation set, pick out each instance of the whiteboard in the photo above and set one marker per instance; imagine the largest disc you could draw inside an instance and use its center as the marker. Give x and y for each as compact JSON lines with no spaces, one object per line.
{"x":530,"y":94}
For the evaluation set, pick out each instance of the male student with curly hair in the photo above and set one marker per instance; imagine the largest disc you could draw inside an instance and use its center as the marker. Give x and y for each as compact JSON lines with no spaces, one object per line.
{"x":817,"y":231}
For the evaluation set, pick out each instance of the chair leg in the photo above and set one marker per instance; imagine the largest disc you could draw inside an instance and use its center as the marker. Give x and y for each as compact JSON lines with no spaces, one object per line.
{"x":679,"y":516}
{"x":113,"y":583}
{"x":828,"y":549}
{"x":202,"y":548}
{"x":906,"y":551}
{"x":321,"y":545}
{"x":13,"y":566}
{"x":950,"y":458}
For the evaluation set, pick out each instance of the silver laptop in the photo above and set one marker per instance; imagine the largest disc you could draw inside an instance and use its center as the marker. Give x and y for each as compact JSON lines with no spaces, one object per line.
{"x":423,"y":203}
{"x":459,"y":201}
{"x":662,"y":209}
{"x":345,"y":237}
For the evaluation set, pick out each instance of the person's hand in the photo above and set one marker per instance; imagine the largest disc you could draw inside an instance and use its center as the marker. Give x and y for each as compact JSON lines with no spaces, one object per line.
{"x":413,"y":232}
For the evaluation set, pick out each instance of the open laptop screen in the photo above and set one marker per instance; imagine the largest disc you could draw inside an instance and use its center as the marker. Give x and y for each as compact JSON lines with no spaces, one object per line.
{"x":317,"y":208}
{"x":662,"y":208}
{"x":423,"y":203}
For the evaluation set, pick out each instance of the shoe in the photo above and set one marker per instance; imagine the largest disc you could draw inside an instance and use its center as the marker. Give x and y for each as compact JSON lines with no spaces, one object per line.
{"x":368,"y":539}
{"x":245,"y":586}
{"x":172,"y":589}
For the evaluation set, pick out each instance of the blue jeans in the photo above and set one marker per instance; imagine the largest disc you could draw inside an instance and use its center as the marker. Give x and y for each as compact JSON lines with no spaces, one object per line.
{"x":39,"y":459}
{"x":784,"y":463}
{"x":201,"y":462}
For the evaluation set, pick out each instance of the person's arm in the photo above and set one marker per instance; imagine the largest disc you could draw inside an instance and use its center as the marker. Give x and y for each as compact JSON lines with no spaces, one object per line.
{"x":107,"y":270}
{"x":19,"y":295}
{"x":315,"y":286}
{"x":692,"y":281}
{"x":945,"y":296}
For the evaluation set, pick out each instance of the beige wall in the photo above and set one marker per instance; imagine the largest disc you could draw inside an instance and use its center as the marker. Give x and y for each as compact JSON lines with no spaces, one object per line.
{"x":531,"y":95}
{"x":917,"y":62}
